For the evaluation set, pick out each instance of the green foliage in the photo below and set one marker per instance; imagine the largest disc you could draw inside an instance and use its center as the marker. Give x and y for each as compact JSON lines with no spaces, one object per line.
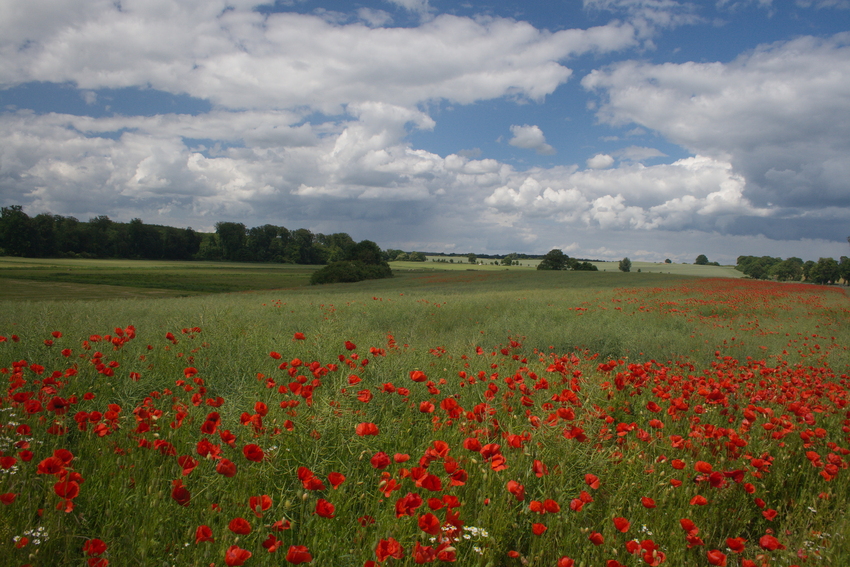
{"x":585,"y":267}
{"x":701,"y":260}
{"x":668,"y":261}
{"x":825,"y":271}
{"x":348,"y":271}
{"x":472,"y":259}
{"x":555,"y":259}
{"x":625,"y":265}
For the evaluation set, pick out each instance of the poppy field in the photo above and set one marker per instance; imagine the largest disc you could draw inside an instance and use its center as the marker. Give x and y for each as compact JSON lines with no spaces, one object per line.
{"x":539,"y":420}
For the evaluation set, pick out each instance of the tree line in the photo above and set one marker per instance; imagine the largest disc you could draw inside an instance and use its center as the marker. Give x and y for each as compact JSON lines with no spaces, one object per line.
{"x":54,"y":236}
{"x":824,"y":271}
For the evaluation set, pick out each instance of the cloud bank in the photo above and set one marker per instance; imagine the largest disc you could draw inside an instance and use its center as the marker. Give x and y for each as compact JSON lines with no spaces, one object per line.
{"x":312,"y":117}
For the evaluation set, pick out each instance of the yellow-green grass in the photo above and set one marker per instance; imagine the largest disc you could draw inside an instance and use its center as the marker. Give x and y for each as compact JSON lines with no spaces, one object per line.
{"x":461,"y":263}
{"x":185,"y":278}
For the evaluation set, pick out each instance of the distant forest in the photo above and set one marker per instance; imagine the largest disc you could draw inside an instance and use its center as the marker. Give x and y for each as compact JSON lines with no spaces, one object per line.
{"x":54,"y":236}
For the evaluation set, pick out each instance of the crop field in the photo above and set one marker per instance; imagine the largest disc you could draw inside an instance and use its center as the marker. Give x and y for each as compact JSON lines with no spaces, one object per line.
{"x":480,"y":418}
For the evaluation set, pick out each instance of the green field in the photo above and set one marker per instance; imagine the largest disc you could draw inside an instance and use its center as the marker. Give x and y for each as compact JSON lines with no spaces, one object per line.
{"x":479,"y":417}
{"x":460,"y":263}
{"x":86,"y":279}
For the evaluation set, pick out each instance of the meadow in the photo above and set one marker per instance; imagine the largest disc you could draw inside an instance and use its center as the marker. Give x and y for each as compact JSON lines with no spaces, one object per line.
{"x":477,"y":417}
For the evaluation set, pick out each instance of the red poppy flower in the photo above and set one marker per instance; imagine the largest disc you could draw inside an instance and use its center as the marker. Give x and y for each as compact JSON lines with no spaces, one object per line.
{"x":736,"y":544}
{"x":203,"y":533}
{"x":770,"y":543}
{"x":94,"y":547}
{"x":715,"y":557}
{"x":324,"y":508}
{"x":298,"y":554}
{"x":429,"y":524}
{"x":591,"y":480}
{"x":67,"y":489}
{"x":539,"y":468}
{"x":702,"y":467}
{"x":350,"y":345}
{"x":407,"y":505}
{"x":235,"y":556}
{"x":596,"y":538}
{"x":621,"y":524}
{"x":180,"y":493}
{"x":647,"y":502}
{"x":388,"y":548}
{"x":551,"y":506}
{"x":8,"y":498}
{"x":259,"y":504}
{"x":423,"y":554}
{"x":366,"y":428}
{"x":187,"y":463}
{"x":769,"y":514}
{"x":271,"y":543}
{"x":699,"y":500}
{"x":298,"y":337}
{"x":566,"y":562}
{"x":380,"y":460}
{"x":516,"y":489}
{"x":538,"y":529}
{"x":226,"y":467}
{"x":418,"y":376}
{"x":239,"y":526}
{"x":689,"y":527}
{"x":253,"y":452}
{"x":336,"y":479}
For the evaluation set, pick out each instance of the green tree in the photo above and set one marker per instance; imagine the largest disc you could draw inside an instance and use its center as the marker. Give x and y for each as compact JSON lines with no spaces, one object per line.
{"x":231,"y":238}
{"x":701,"y":260}
{"x":16,"y":231}
{"x":844,"y":269}
{"x":510,"y":259}
{"x":668,"y":261}
{"x":825,"y":271}
{"x":625,"y":265}
{"x":555,"y":259}
{"x":585,"y":267}
{"x":472,"y":259}
{"x":788,"y":270}
{"x":417,"y":257}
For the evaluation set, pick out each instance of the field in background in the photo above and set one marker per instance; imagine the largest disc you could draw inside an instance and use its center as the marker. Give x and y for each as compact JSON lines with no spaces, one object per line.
{"x":84,"y":279}
{"x":460,"y":263}
{"x":489,"y":417}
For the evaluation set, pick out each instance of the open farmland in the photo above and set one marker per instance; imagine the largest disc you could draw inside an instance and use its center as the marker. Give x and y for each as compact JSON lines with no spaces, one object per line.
{"x":478,"y":417}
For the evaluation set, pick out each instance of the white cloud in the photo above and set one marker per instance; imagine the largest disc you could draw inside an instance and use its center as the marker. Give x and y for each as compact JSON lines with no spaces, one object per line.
{"x":776,"y":114}
{"x":239,"y":58}
{"x":600,"y":161}
{"x":530,"y":138}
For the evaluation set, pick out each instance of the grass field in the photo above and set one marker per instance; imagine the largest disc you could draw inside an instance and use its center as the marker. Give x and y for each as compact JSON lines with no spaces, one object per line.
{"x":486,"y":417}
{"x":460,"y":263}
{"x":82,"y":279}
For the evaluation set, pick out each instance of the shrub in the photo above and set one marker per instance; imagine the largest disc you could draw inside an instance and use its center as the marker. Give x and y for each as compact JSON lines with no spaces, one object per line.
{"x":350,"y":271}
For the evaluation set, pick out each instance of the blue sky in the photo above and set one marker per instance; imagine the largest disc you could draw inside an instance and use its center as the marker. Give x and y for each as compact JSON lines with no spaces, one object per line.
{"x":608,"y":128}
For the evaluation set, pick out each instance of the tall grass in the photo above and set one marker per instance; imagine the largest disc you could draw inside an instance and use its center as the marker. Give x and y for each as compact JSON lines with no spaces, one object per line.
{"x":765,"y":363}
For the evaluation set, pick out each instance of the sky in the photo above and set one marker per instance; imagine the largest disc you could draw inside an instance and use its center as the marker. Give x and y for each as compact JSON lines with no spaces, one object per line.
{"x":648,"y":129}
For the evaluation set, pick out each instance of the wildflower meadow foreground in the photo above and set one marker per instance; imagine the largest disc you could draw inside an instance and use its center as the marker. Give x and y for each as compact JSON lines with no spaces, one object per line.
{"x":271,"y":431}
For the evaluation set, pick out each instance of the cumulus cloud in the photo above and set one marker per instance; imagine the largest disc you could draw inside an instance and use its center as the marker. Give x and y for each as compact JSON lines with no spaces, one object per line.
{"x":600,"y":161}
{"x":530,"y":138}
{"x":773,"y":113}
{"x":699,"y":193}
{"x":239,"y":58}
